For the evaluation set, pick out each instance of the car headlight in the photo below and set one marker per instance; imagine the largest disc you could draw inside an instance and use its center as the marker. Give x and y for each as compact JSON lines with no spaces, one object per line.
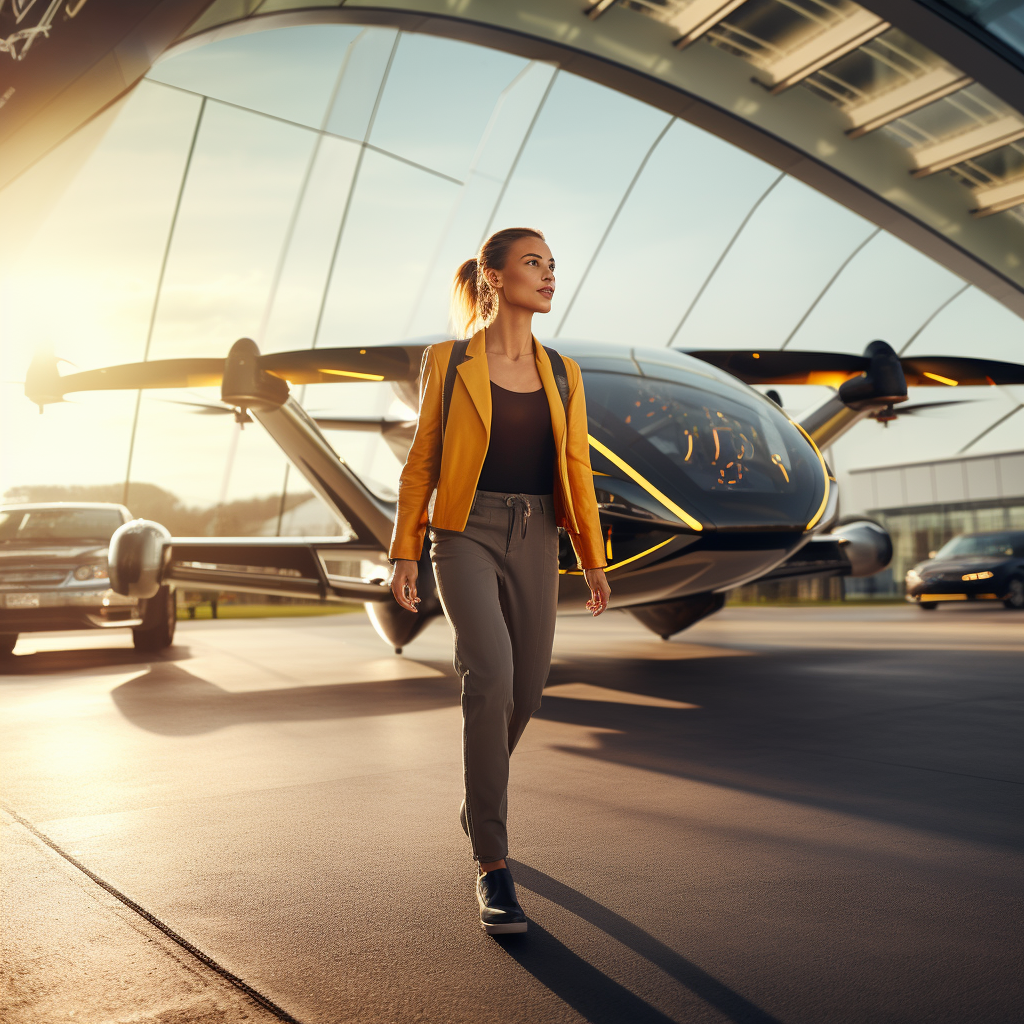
{"x":91,"y":572}
{"x":986,"y":575}
{"x":913,"y":576}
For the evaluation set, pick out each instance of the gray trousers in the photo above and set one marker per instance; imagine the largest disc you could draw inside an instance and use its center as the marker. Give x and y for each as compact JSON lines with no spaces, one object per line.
{"x":498,"y":584}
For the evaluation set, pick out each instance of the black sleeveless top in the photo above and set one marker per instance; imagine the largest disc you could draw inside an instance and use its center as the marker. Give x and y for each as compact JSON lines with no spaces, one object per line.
{"x":521,"y":453}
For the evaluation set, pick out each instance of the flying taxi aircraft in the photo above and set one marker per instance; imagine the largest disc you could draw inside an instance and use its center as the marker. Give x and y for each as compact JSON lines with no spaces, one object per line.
{"x":703,"y":483}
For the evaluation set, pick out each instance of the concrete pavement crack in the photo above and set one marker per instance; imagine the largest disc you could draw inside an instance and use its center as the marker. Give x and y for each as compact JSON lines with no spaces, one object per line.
{"x":223,"y":972}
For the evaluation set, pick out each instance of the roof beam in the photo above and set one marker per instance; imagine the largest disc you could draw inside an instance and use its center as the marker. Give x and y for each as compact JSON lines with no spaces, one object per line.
{"x":904,"y":99}
{"x":996,"y":198}
{"x":697,"y":17}
{"x":946,"y":152}
{"x":821,"y":49}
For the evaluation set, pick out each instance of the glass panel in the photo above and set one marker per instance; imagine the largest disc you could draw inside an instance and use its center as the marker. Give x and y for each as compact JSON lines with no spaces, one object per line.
{"x":887,"y":291}
{"x":729,"y":457}
{"x":439,"y":98}
{"x":1003,"y":18}
{"x":366,"y":62}
{"x":974,"y":324}
{"x":228,"y":479}
{"x":296,"y":301}
{"x":290,"y":72}
{"x":241,"y":190}
{"x":502,"y":135}
{"x":569,"y":180}
{"x":397,"y":214}
{"x":786,"y":254}
{"x":689,"y":201}
{"x":83,"y":288}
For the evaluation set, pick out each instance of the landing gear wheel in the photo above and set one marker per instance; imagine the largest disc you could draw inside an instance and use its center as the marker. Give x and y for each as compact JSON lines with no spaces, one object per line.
{"x":928,"y":606}
{"x":1015,"y":600}
{"x":158,"y":621}
{"x":7,"y":642}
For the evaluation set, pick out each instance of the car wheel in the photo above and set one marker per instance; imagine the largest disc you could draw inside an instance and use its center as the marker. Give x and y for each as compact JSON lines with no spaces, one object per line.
{"x":158,"y":622}
{"x":1015,"y":600}
{"x":7,"y":642}
{"x":928,"y":606}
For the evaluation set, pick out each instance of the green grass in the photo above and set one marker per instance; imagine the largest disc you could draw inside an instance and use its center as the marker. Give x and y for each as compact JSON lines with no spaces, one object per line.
{"x":268,"y":611}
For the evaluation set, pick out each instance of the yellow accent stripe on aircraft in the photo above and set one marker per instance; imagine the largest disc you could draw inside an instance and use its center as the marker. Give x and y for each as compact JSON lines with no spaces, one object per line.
{"x":824,"y":473}
{"x":352,"y":373}
{"x":942,"y":380}
{"x":647,"y":485}
{"x":618,"y":565}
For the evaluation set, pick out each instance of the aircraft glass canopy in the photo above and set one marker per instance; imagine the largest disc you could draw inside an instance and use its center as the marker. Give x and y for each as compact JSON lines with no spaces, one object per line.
{"x":729,"y":458}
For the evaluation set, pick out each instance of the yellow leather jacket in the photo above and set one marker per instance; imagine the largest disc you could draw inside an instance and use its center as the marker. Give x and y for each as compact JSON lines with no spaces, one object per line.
{"x":454,"y":471}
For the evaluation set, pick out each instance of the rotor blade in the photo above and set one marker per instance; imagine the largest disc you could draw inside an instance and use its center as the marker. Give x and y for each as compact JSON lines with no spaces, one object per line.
{"x":367,"y":424}
{"x":345,"y":365}
{"x":834,"y":368}
{"x":768,"y":367}
{"x":909,"y":410}
{"x":159,"y":373}
{"x":949,"y":371}
{"x":202,"y":408}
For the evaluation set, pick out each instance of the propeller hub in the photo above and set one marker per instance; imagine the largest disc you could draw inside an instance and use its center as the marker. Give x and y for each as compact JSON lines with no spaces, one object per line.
{"x":246,"y":385}
{"x":881,"y":385}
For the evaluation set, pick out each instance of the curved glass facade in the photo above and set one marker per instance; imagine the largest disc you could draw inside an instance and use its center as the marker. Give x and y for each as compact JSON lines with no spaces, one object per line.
{"x":316,"y":186}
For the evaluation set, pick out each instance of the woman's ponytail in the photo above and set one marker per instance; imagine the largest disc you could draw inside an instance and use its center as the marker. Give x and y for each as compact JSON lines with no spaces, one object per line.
{"x":465,"y":299}
{"x":474,"y":302}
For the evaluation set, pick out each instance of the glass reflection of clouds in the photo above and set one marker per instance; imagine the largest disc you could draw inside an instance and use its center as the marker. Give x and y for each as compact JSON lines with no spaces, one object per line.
{"x":317,"y":185}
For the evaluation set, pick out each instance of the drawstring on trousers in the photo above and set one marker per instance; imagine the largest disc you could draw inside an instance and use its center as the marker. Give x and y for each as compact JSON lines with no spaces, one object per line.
{"x":512,"y":501}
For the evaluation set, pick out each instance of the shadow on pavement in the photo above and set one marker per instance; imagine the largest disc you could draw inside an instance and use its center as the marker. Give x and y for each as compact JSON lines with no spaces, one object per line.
{"x":907,"y":737}
{"x":590,"y":992}
{"x":85,"y":659}
{"x":173,"y":702}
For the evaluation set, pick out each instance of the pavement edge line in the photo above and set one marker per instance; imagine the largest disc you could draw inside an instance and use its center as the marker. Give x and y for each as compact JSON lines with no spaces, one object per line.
{"x":233,"y":979}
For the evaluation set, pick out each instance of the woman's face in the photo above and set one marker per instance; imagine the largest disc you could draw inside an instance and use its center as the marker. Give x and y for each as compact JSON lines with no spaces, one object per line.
{"x":528,"y":277}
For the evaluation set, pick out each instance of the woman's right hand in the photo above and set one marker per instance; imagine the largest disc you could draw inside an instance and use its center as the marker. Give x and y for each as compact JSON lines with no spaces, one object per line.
{"x":403,"y":583}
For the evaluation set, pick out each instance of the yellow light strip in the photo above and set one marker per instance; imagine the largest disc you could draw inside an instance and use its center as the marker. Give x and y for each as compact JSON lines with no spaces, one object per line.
{"x":941,"y":380}
{"x":647,"y":485}
{"x":618,"y":565}
{"x":352,"y":373}
{"x":824,"y":472}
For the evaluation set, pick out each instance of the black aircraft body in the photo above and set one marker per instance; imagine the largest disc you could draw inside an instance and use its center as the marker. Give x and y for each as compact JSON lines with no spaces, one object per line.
{"x":703,"y":483}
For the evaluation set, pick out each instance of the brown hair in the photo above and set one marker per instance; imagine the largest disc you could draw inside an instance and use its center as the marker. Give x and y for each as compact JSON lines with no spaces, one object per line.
{"x":474,"y":301}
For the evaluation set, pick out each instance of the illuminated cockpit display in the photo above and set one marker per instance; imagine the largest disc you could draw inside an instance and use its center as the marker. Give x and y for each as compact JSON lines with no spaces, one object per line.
{"x":726,"y":455}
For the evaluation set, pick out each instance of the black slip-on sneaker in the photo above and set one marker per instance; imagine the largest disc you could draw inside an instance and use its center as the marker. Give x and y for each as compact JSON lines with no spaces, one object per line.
{"x":500,"y":913}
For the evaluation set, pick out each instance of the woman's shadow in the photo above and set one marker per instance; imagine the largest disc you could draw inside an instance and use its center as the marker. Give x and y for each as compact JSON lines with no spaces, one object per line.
{"x":592,"y":993}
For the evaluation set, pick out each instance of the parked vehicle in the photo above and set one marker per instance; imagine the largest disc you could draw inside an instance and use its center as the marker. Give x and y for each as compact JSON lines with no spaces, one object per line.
{"x":972,"y":567}
{"x":53,"y":576}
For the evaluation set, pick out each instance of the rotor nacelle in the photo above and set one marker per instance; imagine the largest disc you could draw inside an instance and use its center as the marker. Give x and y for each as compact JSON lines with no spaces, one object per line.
{"x":136,"y":558}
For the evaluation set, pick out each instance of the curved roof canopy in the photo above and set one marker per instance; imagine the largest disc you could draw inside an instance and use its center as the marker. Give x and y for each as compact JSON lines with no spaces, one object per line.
{"x":909,"y":113}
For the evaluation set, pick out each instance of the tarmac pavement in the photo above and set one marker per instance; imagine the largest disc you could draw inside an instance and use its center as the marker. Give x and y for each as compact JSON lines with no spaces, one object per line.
{"x":795,"y":815}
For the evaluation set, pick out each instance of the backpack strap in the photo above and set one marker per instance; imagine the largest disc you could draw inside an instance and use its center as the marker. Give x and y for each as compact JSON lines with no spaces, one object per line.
{"x":457,"y":356}
{"x":561,"y":377}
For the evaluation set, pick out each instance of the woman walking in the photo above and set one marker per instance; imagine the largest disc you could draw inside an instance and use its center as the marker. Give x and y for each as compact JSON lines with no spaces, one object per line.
{"x":502,"y":439}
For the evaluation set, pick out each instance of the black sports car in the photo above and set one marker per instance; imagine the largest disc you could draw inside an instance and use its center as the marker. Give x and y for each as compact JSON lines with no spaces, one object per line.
{"x":972,"y":567}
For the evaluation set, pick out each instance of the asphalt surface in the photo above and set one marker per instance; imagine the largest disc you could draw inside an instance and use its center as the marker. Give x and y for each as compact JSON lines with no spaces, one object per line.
{"x":784,"y":815}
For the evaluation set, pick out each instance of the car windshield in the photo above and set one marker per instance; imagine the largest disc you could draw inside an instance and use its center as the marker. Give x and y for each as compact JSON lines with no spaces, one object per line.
{"x":58,"y":525}
{"x":994,"y":545}
{"x":733,"y":458}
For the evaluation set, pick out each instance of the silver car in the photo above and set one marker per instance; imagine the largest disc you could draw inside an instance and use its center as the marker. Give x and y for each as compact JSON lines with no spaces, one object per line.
{"x":53,"y":576}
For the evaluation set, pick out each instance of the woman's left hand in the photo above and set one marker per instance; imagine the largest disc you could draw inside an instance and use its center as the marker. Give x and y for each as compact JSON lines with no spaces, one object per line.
{"x":599,"y":590}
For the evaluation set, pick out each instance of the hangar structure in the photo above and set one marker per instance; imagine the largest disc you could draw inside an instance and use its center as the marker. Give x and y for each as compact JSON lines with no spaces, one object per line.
{"x":796,"y":175}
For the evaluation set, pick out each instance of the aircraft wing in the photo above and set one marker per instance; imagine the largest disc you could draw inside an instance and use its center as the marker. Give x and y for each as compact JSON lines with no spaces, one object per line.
{"x":320,"y":568}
